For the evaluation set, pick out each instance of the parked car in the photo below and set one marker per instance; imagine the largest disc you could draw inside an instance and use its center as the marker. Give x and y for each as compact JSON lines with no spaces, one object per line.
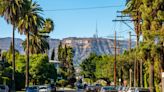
{"x":32,"y":89}
{"x":98,"y":87}
{"x":51,"y":88}
{"x":43,"y":88}
{"x":79,"y":85}
{"x":4,"y":88}
{"x":142,"y":90}
{"x":108,"y":89}
{"x":124,"y":89}
{"x":131,"y":89}
{"x":90,"y":89}
{"x":119,"y":88}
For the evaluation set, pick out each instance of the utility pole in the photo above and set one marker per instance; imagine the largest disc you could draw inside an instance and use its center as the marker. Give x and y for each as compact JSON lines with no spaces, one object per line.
{"x":115,"y":58}
{"x":115,"y":55}
{"x":130,"y":41}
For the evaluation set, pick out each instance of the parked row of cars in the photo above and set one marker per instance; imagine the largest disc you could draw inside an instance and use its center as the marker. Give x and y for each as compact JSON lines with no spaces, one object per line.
{"x":132,"y":89}
{"x":98,"y":88}
{"x":41,"y":88}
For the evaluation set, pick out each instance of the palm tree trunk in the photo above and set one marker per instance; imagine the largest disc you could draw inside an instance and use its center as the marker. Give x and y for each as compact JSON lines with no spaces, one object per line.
{"x":141,"y":75}
{"x":13,"y":60}
{"x":152,"y":76}
{"x":27,"y":61}
{"x":162,"y":65}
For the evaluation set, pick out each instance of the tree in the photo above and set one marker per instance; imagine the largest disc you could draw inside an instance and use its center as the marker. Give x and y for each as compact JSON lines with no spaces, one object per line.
{"x":151,"y":12}
{"x":65,"y":56}
{"x":39,"y":42}
{"x":89,"y":66}
{"x":11,"y":10}
{"x":29,"y":23}
{"x":48,"y":26}
{"x":41,"y":70}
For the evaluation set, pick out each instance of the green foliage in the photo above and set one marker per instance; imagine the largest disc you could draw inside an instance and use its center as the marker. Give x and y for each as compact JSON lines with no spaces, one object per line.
{"x":41,"y":70}
{"x":102,"y":67}
{"x":88,"y":80}
{"x":89,"y":66}
{"x":62,"y":82}
{"x":151,"y":13}
{"x":66,"y":69}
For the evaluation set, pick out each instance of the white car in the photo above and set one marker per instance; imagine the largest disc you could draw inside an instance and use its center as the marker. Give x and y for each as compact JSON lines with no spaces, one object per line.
{"x":131,"y":89}
{"x":142,"y":90}
{"x":4,"y":88}
{"x":43,"y":88}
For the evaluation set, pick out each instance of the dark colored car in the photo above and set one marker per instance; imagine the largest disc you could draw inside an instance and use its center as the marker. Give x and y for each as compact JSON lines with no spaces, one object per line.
{"x":32,"y":89}
{"x":98,"y":87}
{"x":108,"y":89}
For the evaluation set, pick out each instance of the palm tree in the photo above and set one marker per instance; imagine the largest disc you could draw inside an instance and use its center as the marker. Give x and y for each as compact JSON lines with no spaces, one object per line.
{"x":48,"y":26}
{"x":133,"y":10}
{"x":38,"y":42}
{"x":11,"y":10}
{"x":29,"y":23}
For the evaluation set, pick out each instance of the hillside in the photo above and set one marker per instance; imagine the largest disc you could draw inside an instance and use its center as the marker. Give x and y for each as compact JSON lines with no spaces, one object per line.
{"x":82,"y":46}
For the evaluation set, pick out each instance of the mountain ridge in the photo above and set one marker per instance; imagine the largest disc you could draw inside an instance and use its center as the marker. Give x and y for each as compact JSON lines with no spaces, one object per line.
{"x":82,"y":46}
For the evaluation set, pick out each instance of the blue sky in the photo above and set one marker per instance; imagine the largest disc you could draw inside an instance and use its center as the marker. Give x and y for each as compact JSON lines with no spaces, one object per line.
{"x":78,"y":23}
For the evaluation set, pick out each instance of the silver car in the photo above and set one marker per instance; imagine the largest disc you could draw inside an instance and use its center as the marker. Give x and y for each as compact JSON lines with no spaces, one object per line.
{"x":142,"y":90}
{"x":108,"y":89}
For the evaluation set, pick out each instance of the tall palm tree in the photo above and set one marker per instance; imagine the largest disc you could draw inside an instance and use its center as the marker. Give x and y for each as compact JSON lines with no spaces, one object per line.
{"x":11,"y":10}
{"x":29,"y":23}
{"x":133,"y":10}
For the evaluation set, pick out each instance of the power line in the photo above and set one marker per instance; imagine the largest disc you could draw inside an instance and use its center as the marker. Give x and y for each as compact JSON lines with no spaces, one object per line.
{"x":85,"y":8}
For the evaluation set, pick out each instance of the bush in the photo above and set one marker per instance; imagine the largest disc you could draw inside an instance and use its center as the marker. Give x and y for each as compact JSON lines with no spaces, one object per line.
{"x":62,"y":83}
{"x":68,"y":86}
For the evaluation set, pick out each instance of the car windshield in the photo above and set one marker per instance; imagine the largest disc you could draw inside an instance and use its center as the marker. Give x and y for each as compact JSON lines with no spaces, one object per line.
{"x":109,"y":88}
{"x":43,"y":88}
{"x":32,"y":88}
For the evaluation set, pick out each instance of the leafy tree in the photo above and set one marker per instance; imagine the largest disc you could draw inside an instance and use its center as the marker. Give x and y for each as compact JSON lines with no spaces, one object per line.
{"x":41,"y":70}
{"x":65,"y":55}
{"x":89,"y":66}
